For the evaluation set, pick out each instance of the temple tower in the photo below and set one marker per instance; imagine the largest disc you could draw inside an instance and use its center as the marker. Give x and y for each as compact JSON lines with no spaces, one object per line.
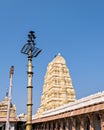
{"x":4,"y":107}
{"x":57,"y":88}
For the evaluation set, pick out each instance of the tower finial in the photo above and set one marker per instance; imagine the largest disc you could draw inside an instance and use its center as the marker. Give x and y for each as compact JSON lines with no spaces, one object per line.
{"x":59,"y":54}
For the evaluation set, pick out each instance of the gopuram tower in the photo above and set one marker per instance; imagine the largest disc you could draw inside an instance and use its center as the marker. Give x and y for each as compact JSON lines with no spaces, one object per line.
{"x":57,"y":89}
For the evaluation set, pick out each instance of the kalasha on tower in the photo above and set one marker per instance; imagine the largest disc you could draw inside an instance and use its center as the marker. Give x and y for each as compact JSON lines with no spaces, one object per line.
{"x":57,"y":89}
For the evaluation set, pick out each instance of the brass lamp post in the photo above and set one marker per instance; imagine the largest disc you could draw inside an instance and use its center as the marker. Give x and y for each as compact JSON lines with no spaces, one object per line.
{"x":32,"y":51}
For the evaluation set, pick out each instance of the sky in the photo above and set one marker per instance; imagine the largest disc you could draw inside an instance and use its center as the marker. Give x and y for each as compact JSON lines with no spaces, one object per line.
{"x":74,"y":28}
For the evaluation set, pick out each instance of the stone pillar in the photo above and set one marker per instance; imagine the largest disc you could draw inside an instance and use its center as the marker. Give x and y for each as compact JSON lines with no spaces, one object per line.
{"x":91,"y":118}
{"x":81,"y":122}
{"x":67,"y":124}
{"x":81,"y":119}
{"x":44,"y":126}
{"x":37,"y":127}
{"x":61,"y":124}
{"x":56,"y":125}
{"x":51,"y":126}
{"x":102,"y":120}
{"x":73,"y":120}
{"x":47,"y":126}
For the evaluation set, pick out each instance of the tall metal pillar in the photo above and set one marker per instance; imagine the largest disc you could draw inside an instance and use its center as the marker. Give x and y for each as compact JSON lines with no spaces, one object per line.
{"x":29,"y":100}
{"x":32,"y":51}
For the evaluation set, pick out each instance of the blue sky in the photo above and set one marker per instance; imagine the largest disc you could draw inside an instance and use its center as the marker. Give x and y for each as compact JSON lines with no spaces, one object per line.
{"x":75,"y":28}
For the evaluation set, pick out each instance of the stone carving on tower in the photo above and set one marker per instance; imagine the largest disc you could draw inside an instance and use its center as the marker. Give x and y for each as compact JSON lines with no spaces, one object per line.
{"x":57,"y":89}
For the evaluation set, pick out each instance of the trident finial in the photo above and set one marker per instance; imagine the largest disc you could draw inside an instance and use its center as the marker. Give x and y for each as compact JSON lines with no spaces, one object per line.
{"x":30,"y":46}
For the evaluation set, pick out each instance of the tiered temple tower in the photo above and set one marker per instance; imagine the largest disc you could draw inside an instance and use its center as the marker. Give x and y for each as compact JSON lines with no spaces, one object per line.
{"x":4,"y":107}
{"x":57,"y":88}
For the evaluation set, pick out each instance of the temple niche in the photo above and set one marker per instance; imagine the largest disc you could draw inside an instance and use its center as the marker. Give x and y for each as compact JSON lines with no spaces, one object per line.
{"x":57,"y":89}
